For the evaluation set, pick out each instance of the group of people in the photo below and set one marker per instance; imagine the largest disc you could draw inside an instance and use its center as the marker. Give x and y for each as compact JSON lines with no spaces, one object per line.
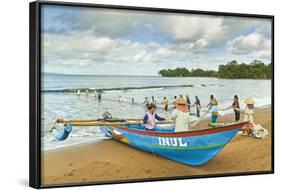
{"x":165,"y":102}
{"x":180,"y":115}
{"x":181,"y":112}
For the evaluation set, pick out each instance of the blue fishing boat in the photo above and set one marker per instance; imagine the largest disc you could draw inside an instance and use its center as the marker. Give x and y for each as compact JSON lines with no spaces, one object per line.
{"x":192,"y":148}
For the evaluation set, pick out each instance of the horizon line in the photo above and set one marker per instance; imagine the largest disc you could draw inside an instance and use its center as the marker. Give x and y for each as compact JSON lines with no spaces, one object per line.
{"x":54,"y":73}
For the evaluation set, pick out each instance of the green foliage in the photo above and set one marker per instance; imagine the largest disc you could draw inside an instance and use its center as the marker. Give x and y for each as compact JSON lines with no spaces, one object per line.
{"x":183,"y":72}
{"x":233,"y":70}
{"x":254,"y":70}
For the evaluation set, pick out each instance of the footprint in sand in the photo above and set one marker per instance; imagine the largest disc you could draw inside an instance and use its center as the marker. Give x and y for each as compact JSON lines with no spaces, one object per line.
{"x":147,"y":171}
{"x":70,"y":174}
{"x":70,"y":164}
{"x":56,"y":179}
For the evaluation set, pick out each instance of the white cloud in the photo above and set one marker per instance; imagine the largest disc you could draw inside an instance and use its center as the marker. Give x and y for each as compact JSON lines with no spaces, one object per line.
{"x":104,"y":40}
{"x":246,"y":44}
{"x":164,"y":52}
{"x":95,"y":51}
{"x":193,"y":27}
{"x":255,"y":45}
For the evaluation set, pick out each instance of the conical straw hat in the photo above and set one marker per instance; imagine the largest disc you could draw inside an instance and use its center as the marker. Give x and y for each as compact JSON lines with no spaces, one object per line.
{"x":249,"y":100}
{"x":181,"y":100}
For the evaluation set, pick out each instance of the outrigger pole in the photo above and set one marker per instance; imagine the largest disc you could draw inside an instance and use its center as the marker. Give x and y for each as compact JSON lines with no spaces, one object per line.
{"x":82,"y":123}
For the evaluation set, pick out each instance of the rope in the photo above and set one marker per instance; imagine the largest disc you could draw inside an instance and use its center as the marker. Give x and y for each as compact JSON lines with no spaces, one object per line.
{"x":53,"y":127}
{"x":200,"y":119}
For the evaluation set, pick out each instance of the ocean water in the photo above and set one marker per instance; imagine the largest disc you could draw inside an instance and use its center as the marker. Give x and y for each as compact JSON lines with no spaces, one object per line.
{"x":60,"y":99}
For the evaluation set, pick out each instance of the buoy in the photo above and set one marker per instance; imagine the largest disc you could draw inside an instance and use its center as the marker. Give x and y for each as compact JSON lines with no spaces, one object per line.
{"x":62,"y":135}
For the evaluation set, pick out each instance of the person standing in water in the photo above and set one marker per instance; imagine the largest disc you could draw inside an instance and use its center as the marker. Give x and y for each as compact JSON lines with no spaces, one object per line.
{"x":197,"y":106}
{"x":99,"y":94}
{"x":133,"y":100}
{"x":174,"y":102}
{"x":213,"y":108}
{"x":153,"y":100}
{"x":188,"y":102}
{"x":150,"y":118}
{"x":165,"y":102}
{"x":78,"y":92}
{"x":181,"y":115}
{"x":146,"y":102}
{"x":119,"y":98}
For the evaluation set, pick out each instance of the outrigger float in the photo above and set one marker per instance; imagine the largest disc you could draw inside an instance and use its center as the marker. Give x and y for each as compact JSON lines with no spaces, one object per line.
{"x":192,"y":148}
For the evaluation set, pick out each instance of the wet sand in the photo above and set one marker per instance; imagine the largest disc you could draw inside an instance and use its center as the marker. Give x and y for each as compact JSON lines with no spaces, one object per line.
{"x":111,"y":160}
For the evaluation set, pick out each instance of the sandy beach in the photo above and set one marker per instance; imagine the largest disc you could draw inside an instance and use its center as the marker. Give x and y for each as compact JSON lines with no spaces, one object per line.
{"x":111,"y":160}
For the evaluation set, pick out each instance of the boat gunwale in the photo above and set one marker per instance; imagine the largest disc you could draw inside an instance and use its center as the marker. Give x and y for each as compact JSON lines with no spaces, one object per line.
{"x":231,"y":126}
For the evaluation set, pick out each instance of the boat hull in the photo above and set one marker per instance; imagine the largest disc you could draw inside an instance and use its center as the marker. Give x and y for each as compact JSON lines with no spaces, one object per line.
{"x":192,"y":148}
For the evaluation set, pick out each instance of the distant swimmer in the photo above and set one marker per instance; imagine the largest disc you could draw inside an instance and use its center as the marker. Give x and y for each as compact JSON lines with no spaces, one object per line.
{"x":78,"y":92}
{"x":87,"y":92}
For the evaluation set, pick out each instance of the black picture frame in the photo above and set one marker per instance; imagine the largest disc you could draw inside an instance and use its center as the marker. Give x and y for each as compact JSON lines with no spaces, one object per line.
{"x":35,"y":86}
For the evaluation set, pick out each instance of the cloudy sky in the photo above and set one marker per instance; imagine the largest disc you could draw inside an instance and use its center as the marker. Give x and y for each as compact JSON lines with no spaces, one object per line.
{"x":95,"y":41}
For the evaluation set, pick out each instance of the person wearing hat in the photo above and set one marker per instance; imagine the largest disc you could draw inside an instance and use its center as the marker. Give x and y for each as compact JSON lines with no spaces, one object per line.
{"x":213,"y":108}
{"x":150,"y":116}
{"x":249,"y":113}
{"x":181,"y":115}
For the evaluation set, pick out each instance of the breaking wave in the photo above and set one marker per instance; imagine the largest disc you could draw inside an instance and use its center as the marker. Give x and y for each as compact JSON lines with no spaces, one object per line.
{"x":133,"y":88}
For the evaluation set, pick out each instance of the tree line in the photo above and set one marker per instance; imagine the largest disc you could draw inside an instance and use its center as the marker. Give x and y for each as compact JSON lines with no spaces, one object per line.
{"x":232,"y":70}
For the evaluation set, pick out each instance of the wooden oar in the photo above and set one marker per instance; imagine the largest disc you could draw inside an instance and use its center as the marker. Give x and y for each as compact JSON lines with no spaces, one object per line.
{"x":93,"y":120}
{"x":83,"y":124}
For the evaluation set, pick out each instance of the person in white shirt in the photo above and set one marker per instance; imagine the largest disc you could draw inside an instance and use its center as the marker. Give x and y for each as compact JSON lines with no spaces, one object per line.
{"x":181,"y":115}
